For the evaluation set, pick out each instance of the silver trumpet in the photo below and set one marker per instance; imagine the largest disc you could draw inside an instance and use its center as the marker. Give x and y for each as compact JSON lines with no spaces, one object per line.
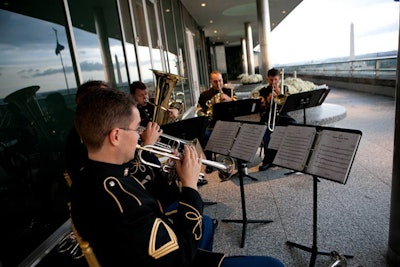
{"x":224,"y":169}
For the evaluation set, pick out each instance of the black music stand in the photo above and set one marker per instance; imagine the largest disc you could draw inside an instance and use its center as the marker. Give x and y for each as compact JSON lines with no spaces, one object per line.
{"x":317,"y":151}
{"x":187,"y":129}
{"x":305,"y":100}
{"x":242,"y":146}
{"x":229,"y":111}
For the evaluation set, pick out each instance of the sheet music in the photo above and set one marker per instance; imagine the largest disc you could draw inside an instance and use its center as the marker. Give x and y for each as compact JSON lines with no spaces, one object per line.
{"x":295,"y":147}
{"x":222,"y":137}
{"x":333,"y":155}
{"x":248,"y":141}
{"x":276,"y":137}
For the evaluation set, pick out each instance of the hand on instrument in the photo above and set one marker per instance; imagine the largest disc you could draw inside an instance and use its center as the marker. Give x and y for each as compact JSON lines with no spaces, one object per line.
{"x":173,"y":113}
{"x":188,"y":168}
{"x":225,"y":98}
{"x":152,"y":133}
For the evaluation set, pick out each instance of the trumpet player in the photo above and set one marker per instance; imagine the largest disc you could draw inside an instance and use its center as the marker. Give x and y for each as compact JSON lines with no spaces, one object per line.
{"x":274,"y":88}
{"x":138,"y":91}
{"x":120,"y":219}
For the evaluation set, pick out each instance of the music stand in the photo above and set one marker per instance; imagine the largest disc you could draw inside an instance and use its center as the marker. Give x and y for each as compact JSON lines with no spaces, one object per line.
{"x":314,"y":151}
{"x":188,"y":129}
{"x":229,"y":111}
{"x":240,"y":141}
{"x":305,"y":100}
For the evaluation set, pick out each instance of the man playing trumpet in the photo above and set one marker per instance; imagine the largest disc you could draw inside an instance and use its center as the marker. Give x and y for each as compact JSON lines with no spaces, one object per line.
{"x":121,"y":220}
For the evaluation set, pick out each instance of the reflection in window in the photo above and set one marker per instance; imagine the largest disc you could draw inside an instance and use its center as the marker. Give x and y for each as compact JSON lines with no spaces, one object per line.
{"x":36,"y":81}
{"x":143,"y":43}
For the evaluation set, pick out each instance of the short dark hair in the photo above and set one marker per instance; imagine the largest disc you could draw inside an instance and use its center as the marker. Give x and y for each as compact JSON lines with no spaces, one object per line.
{"x":273,"y":72}
{"x":136,"y":85}
{"x":98,"y":112}
{"x":87,"y":86}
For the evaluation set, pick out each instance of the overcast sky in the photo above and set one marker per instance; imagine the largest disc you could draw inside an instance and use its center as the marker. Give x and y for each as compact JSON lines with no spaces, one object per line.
{"x":320,"y":29}
{"x":315,"y":30}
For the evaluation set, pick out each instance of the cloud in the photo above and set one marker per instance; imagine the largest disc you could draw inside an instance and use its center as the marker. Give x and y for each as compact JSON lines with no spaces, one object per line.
{"x":85,"y":66}
{"x":383,"y":28}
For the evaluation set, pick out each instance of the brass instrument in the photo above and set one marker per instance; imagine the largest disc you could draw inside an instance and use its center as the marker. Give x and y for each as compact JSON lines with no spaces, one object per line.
{"x":273,"y":107}
{"x":225,"y":169}
{"x":26,"y":101}
{"x":214,"y":100}
{"x":165,"y":87}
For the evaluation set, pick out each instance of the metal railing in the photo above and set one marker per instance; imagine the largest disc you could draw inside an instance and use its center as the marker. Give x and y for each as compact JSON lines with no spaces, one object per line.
{"x":375,"y":67}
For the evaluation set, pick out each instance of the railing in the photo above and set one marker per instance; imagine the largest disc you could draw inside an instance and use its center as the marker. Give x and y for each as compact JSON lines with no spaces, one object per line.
{"x":375,"y":68}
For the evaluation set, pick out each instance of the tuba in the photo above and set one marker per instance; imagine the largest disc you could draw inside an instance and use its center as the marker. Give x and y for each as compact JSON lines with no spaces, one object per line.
{"x":26,"y":101}
{"x":165,"y":88}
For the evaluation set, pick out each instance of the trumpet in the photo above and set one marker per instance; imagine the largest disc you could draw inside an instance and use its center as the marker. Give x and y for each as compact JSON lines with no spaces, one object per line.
{"x":225,"y":169}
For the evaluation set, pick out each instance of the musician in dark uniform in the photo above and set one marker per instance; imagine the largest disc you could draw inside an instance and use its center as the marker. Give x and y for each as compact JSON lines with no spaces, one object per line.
{"x":138,"y":91}
{"x":75,"y":150}
{"x":121,"y":220}
{"x":282,"y":119}
{"x":217,"y":84}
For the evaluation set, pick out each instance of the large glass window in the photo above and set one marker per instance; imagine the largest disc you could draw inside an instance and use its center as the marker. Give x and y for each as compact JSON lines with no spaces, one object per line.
{"x":144,"y":56}
{"x":98,"y":41}
{"x":171,"y":53}
{"x":37,"y":87}
{"x":129,"y":40}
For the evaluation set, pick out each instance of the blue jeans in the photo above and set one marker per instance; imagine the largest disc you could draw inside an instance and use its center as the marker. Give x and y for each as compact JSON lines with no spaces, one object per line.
{"x":251,"y":261}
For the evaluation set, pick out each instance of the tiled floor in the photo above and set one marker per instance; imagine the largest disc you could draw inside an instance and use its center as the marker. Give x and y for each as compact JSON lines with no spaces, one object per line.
{"x":352,"y":218}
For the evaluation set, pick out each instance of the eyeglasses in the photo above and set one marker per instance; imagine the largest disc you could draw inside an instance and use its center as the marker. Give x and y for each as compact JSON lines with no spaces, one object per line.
{"x":139,"y":130}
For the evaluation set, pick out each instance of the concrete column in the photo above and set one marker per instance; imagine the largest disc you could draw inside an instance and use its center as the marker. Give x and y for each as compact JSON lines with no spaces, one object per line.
{"x":102,"y":34}
{"x":244,"y":56}
{"x":393,"y":254}
{"x":264,"y":32}
{"x":249,"y":47}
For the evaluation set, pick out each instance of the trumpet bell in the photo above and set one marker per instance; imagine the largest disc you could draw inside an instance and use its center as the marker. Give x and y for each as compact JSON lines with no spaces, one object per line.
{"x":230,"y":164}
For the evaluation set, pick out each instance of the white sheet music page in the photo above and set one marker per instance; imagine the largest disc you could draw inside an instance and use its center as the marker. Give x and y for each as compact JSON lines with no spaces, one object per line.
{"x":333,"y":155}
{"x":295,"y":147}
{"x":276,"y":137}
{"x":222,"y":137}
{"x":248,"y":141}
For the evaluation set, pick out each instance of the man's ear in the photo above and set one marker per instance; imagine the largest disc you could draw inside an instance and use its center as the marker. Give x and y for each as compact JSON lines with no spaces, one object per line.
{"x":113,"y":136}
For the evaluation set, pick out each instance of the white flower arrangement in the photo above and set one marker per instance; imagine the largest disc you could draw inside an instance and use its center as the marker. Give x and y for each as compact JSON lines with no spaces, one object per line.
{"x":295,"y":85}
{"x":250,"y":79}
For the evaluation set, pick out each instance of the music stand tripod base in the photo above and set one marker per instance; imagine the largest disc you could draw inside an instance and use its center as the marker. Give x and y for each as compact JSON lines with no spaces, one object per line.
{"x":245,"y":172}
{"x":313,"y":249}
{"x":244,"y":219}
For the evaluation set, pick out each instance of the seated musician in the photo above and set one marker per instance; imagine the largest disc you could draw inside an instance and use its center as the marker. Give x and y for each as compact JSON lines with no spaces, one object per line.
{"x":205,"y":102}
{"x":138,"y":91}
{"x":273,"y":89}
{"x":120,"y":219}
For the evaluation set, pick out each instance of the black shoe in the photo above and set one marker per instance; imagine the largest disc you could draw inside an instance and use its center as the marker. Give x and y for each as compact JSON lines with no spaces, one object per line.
{"x":264,"y":167}
{"x":201,"y":182}
{"x":215,"y":223}
{"x":209,"y":169}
